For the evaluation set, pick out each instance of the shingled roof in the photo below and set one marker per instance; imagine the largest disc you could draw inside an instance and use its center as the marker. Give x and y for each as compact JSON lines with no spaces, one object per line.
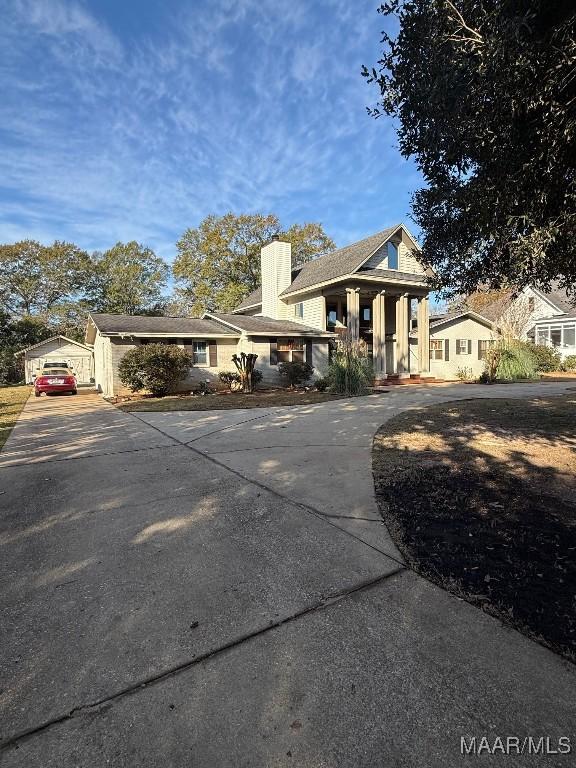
{"x":266,"y":326}
{"x":338,"y":263}
{"x":253,"y":299}
{"x":173,"y":326}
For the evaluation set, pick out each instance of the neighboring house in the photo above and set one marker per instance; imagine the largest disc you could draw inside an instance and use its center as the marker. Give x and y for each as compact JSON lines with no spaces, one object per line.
{"x":58,"y":349}
{"x":459,"y":341}
{"x":369,"y":289}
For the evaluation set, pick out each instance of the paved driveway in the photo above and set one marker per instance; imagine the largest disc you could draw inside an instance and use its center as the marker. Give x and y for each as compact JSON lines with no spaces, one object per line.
{"x":215,"y":589}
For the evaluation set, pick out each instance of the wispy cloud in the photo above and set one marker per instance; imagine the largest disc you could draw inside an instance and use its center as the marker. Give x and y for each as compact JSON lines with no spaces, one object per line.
{"x":107,"y":134}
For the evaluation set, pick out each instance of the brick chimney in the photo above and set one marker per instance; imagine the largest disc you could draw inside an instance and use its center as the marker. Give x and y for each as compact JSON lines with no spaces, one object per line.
{"x":276,"y":266}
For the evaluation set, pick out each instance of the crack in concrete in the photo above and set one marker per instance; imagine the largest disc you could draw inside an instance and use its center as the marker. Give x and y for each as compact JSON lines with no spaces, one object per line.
{"x":91,"y":455}
{"x":325,"y":602}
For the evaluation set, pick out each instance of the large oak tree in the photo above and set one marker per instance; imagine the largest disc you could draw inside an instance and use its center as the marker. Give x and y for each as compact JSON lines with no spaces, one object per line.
{"x":218,"y":262}
{"x":484,"y":97}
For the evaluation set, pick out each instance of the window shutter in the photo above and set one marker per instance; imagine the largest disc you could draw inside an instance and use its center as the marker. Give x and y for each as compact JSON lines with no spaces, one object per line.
{"x":469,"y":346}
{"x":309,"y":352}
{"x":479,"y":350}
{"x":273,"y":352}
{"x":457,"y":347}
{"x":446,"y":349}
{"x":212,"y":354}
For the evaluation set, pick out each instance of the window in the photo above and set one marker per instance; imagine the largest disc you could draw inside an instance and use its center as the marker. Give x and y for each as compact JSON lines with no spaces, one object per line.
{"x":463,"y":346}
{"x":436,"y":349}
{"x":366,"y":314}
{"x":542,"y":336}
{"x":531,"y":304}
{"x":331,"y":315}
{"x":483,"y":346}
{"x":569,"y":339}
{"x":299,"y":310}
{"x":290,"y":351}
{"x":556,"y":336}
{"x":392,"y":256}
{"x":199,"y":352}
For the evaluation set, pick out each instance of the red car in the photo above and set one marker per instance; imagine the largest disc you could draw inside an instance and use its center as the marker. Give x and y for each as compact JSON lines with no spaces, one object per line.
{"x":55,"y":380}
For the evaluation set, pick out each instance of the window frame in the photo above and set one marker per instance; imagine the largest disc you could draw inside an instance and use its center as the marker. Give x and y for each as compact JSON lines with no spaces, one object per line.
{"x":299,"y":310}
{"x":435,"y":349}
{"x":483,"y":353}
{"x":198,"y":364}
{"x":463,"y":350}
{"x":290,"y":350}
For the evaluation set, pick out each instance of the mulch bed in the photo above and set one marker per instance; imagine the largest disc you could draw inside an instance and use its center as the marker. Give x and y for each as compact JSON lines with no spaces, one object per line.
{"x":476,"y":524}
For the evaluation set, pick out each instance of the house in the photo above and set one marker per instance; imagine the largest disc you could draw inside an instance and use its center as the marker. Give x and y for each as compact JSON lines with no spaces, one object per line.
{"x":369,"y":289}
{"x":459,"y":342}
{"x":58,"y":350}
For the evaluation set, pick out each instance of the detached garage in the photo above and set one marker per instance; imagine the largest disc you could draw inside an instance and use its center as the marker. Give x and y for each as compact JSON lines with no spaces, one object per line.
{"x":59,"y":350}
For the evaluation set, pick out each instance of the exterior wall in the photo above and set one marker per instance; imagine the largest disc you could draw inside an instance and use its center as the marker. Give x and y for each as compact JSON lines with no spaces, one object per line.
{"x":102,"y":365}
{"x":276,"y":266}
{"x":78,"y":358}
{"x":378,"y":260}
{"x":466,"y":328}
{"x":314,"y":312}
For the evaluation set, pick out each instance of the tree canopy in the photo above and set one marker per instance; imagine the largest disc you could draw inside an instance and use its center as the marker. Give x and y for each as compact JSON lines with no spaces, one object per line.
{"x":483,"y":94}
{"x":35,"y":277}
{"x":128,"y":279}
{"x":218,"y":263}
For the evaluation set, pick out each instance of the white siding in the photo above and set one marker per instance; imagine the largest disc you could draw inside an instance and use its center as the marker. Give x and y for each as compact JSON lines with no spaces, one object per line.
{"x":59,"y":351}
{"x":314,"y":312}
{"x":378,"y":260}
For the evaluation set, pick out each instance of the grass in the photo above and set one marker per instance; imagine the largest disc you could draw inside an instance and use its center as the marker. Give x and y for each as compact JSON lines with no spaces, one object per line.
{"x":12,"y":401}
{"x":480,"y":497}
{"x":227,"y":401}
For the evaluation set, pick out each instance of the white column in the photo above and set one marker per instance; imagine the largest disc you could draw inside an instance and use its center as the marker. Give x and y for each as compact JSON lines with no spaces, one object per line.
{"x":353,"y":312}
{"x":424,"y":335}
{"x":402,"y":335}
{"x":379,"y":334}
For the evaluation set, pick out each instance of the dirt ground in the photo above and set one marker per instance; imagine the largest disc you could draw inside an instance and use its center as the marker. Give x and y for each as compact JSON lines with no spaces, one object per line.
{"x":227,"y":400}
{"x":479,"y":496}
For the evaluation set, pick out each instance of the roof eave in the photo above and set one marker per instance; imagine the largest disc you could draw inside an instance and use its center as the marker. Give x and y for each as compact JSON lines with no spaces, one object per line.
{"x":350,"y":276}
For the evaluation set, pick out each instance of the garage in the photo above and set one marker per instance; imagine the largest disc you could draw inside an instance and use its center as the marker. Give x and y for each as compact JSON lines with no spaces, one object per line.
{"x":59,"y":350}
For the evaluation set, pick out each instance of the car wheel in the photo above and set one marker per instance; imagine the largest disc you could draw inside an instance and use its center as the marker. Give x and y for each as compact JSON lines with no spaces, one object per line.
{"x":74,"y":391}
{"x":37,"y":394}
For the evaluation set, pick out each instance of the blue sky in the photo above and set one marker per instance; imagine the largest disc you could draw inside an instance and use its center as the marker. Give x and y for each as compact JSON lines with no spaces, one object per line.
{"x":134,"y":119}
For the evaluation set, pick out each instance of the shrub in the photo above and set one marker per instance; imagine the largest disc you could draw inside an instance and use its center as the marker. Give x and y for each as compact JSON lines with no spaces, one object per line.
{"x":257,"y":377}
{"x":156,"y":367}
{"x":295,"y":373}
{"x":322,"y":384}
{"x":515,"y":362}
{"x":570,"y":363}
{"x":350,"y":371}
{"x":229,"y":377}
{"x":545,"y":358}
{"x":465,"y":373}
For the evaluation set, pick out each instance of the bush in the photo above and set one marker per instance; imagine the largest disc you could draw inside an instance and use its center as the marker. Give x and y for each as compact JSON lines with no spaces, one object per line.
{"x":465,"y":374}
{"x":257,"y":377}
{"x":545,"y":358}
{"x":229,"y":378}
{"x":515,"y":362}
{"x":156,"y":367}
{"x":295,"y":373}
{"x":322,"y":384}
{"x":350,"y":371}
{"x":570,"y":363}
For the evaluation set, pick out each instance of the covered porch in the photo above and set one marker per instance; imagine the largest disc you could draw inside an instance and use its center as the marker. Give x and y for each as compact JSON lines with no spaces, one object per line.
{"x":383,"y":319}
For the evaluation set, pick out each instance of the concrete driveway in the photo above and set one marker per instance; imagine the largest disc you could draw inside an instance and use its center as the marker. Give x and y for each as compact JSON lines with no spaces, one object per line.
{"x":215,"y":589}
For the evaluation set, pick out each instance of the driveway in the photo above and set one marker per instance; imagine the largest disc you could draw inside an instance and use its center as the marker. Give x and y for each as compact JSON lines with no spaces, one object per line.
{"x":215,"y":589}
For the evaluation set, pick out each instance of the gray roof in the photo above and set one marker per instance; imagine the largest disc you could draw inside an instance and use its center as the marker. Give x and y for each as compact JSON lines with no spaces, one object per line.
{"x":171,"y":326}
{"x":253,"y":299}
{"x":559,"y":297}
{"x":267,"y":326}
{"x":393,"y":274}
{"x":338,"y":263}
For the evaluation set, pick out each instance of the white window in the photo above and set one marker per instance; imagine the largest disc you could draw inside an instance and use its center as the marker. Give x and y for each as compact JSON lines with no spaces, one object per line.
{"x":199,"y":351}
{"x":542,"y":336}
{"x":556,"y":336}
{"x":463,"y":346}
{"x":299,"y":310}
{"x":483,"y":346}
{"x":436,"y":349}
{"x":569,"y":339}
{"x":290,"y":351}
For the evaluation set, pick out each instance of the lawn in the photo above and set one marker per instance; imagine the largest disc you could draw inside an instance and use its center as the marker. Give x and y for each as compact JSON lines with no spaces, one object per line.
{"x":480,"y":497}
{"x":12,"y":401}
{"x":227,"y":401}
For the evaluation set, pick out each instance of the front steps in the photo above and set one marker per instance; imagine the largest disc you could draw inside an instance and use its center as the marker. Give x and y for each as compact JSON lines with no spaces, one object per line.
{"x":414,"y":378}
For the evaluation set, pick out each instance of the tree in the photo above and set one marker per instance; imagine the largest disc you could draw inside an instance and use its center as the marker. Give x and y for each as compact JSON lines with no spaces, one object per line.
{"x":218,"y":263}
{"x":484,"y":98}
{"x":35,"y":277}
{"x":14,"y":336}
{"x":158,"y":368}
{"x":128,"y":279}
